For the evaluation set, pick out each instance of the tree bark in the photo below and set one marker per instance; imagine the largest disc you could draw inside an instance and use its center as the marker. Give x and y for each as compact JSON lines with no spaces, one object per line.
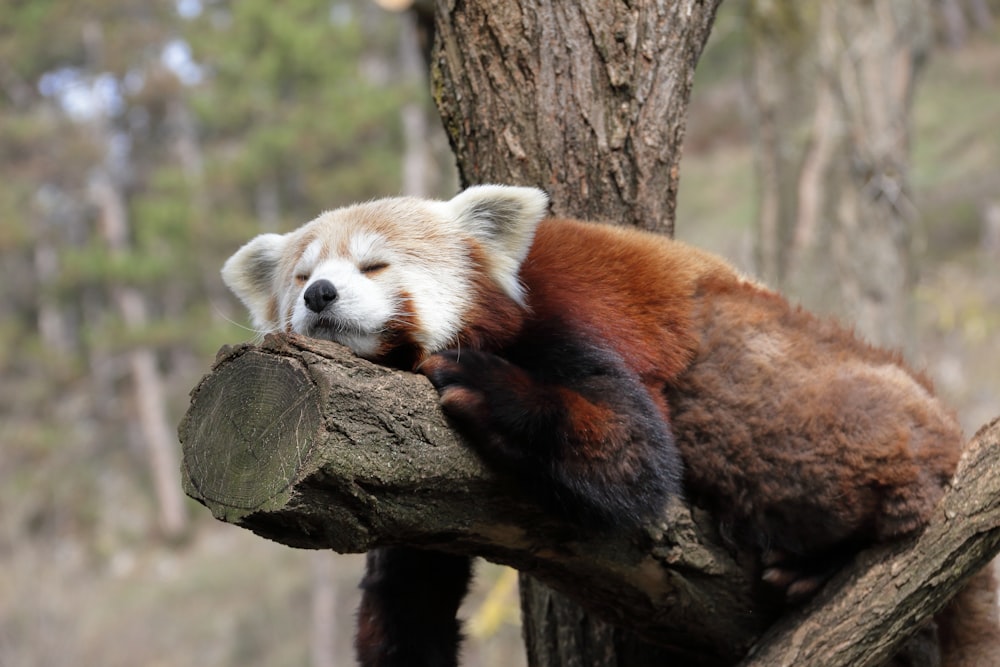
{"x":303,"y":443}
{"x":107,"y":193}
{"x":587,"y":101}
{"x":778,"y":35}
{"x":584,"y":99}
{"x":880,"y":48}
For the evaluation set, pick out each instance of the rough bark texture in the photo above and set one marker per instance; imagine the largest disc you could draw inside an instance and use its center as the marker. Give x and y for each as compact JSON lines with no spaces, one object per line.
{"x":586,"y":100}
{"x":305,"y":444}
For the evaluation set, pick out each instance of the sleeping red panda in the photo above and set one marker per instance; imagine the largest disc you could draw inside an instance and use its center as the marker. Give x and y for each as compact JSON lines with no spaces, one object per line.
{"x":603,"y":366}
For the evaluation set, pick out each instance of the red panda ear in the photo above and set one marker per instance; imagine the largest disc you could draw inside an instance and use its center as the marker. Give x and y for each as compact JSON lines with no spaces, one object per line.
{"x":251,"y":274}
{"x":501,"y":217}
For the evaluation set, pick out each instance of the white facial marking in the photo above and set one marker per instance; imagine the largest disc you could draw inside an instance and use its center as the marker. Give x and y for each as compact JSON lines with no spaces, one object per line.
{"x":309,"y":258}
{"x":356,"y":317}
{"x":401,"y":269}
{"x":367,"y":248}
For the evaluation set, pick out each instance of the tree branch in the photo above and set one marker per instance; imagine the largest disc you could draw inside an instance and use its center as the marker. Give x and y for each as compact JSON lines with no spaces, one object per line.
{"x":862,"y":615}
{"x":302,"y":442}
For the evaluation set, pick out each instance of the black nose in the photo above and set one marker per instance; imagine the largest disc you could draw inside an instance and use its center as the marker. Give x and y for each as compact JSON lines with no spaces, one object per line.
{"x":319,"y":295}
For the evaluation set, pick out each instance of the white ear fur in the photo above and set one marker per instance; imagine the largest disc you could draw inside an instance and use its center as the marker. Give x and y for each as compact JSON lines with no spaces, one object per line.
{"x":251,"y":272}
{"x":504,"y":219}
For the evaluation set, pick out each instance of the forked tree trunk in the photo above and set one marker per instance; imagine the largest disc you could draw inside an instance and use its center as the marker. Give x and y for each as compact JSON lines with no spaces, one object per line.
{"x":586,"y":100}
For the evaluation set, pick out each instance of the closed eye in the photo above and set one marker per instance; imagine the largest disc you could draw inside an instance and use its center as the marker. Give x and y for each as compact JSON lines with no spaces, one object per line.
{"x":373,"y":267}
{"x":301,"y":278}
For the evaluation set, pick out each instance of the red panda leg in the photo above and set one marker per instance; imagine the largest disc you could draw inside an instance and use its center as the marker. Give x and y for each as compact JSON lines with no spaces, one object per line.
{"x":570,"y":420}
{"x":407,"y":616}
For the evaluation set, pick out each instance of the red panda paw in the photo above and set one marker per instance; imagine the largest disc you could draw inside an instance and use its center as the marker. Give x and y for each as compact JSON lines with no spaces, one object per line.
{"x":798,"y":578}
{"x":464,"y":379}
{"x":793,"y":585}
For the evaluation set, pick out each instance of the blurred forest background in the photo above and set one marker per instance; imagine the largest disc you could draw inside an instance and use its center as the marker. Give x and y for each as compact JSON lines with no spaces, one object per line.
{"x":142,"y":142}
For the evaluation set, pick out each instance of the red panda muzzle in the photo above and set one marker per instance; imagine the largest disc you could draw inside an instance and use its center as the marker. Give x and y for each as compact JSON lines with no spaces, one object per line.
{"x":319,"y":295}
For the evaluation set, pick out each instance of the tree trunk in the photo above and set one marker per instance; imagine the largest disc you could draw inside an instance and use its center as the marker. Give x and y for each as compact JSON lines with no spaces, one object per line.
{"x":778,"y":34}
{"x":881,"y":46}
{"x":956,"y":28}
{"x":304,"y":443}
{"x":413,"y":116}
{"x":53,"y":323}
{"x":586,"y":100}
{"x":267,"y":424}
{"x":107,"y":195}
{"x":147,"y":384}
{"x":982,"y":16}
{"x":843,"y":243}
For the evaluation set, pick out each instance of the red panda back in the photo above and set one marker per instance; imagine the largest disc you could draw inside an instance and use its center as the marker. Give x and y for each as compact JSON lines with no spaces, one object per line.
{"x":628,"y":289}
{"x":754,"y":389}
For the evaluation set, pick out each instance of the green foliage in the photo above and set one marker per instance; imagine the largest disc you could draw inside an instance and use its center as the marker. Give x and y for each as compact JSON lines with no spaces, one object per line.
{"x":291,"y":105}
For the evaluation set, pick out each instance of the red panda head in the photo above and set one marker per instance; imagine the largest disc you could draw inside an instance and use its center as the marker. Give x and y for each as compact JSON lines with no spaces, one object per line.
{"x":392,"y":272}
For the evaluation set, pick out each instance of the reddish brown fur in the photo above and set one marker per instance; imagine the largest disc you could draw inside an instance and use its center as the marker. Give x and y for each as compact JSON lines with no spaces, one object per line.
{"x":400,"y":347}
{"x":805,"y":441}
{"x":369,"y":632}
{"x":784,"y":414}
{"x":775,"y":410}
{"x":606,"y":281}
{"x":494,"y":318}
{"x":589,"y":419}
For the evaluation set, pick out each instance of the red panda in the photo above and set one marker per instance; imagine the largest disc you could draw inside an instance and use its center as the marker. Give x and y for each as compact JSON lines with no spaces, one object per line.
{"x":609,"y":369}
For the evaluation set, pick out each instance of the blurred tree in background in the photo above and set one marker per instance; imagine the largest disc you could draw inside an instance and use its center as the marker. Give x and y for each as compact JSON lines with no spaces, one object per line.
{"x":832,"y":86}
{"x":142,"y":142}
{"x":832,"y":89}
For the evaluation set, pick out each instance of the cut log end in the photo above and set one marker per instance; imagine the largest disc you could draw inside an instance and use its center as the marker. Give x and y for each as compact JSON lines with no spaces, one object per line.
{"x":248,"y":433}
